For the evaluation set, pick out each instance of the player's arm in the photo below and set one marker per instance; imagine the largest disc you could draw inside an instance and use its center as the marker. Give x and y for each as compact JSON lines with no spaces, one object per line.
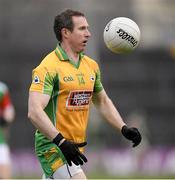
{"x":105,"y":106}
{"x":8,"y":116}
{"x":9,"y":113}
{"x":36,"y":105}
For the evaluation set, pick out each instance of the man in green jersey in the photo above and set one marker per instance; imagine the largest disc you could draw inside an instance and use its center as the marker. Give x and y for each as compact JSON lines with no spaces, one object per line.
{"x":7,"y":114}
{"x":63,"y":86}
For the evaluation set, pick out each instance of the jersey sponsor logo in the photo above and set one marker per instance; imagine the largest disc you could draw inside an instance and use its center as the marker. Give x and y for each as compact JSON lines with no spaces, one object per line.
{"x":36,"y":79}
{"x":79,"y":98}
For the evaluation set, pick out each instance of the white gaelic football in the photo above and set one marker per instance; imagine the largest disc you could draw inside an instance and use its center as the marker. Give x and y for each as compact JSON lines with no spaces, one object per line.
{"x":121,"y":35}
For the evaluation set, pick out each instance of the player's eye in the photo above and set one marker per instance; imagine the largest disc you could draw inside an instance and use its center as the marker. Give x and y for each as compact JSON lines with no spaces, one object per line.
{"x":83,"y":28}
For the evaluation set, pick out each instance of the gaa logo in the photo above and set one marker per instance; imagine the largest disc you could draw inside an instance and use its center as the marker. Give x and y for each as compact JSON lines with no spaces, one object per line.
{"x":68,"y":78}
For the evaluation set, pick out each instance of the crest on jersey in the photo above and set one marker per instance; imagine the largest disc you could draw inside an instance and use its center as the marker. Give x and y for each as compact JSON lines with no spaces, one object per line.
{"x":80,"y":77}
{"x":36,"y":79}
{"x":92,"y":78}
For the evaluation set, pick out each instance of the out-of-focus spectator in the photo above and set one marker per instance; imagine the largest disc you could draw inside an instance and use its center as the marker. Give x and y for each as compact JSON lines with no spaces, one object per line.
{"x":7,"y":114}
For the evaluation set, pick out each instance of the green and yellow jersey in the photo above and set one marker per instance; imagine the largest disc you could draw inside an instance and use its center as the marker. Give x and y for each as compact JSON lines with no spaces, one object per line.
{"x":70,"y":87}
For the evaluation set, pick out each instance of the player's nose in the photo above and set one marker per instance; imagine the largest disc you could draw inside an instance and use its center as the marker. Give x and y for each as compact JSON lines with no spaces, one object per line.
{"x":88,"y":34}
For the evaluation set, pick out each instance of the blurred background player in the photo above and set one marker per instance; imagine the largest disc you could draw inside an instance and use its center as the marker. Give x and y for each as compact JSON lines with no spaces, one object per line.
{"x":7,"y":114}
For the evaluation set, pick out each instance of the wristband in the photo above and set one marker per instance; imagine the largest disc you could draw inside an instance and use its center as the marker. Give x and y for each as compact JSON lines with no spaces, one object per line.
{"x":58,"y":139}
{"x":124,"y":128}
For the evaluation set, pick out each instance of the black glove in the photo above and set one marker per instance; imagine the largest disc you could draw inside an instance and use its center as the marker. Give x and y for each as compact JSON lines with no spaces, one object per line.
{"x":132,"y":134}
{"x":70,"y":150}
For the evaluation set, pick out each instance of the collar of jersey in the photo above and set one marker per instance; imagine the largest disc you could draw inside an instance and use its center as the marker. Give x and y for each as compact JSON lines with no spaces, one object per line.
{"x":64,"y":57}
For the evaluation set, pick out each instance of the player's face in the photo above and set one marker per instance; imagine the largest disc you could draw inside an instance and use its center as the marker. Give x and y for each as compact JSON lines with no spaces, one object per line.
{"x":79,"y":36}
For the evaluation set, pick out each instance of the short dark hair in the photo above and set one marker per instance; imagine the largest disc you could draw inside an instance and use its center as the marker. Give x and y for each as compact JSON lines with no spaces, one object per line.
{"x":64,"y":20}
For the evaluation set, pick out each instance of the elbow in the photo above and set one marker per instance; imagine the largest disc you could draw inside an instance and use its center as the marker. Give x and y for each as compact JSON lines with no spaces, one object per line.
{"x":105,"y":101}
{"x":30,"y":115}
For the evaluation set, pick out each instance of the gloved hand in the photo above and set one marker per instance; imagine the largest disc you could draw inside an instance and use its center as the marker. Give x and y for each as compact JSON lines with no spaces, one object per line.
{"x":70,"y":150}
{"x":132,"y":134}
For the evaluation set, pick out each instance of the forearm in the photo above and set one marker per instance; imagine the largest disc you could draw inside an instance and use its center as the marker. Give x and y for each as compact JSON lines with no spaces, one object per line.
{"x":42,"y":122}
{"x":110,"y":113}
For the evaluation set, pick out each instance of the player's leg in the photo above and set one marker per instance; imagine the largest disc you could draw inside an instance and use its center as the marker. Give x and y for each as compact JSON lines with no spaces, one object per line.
{"x":5,"y":171}
{"x":5,"y":165}
{"x":68,"y":172}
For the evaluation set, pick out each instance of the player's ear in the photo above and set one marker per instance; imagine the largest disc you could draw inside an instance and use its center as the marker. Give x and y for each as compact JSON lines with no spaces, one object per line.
{"x":65,"y":32}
